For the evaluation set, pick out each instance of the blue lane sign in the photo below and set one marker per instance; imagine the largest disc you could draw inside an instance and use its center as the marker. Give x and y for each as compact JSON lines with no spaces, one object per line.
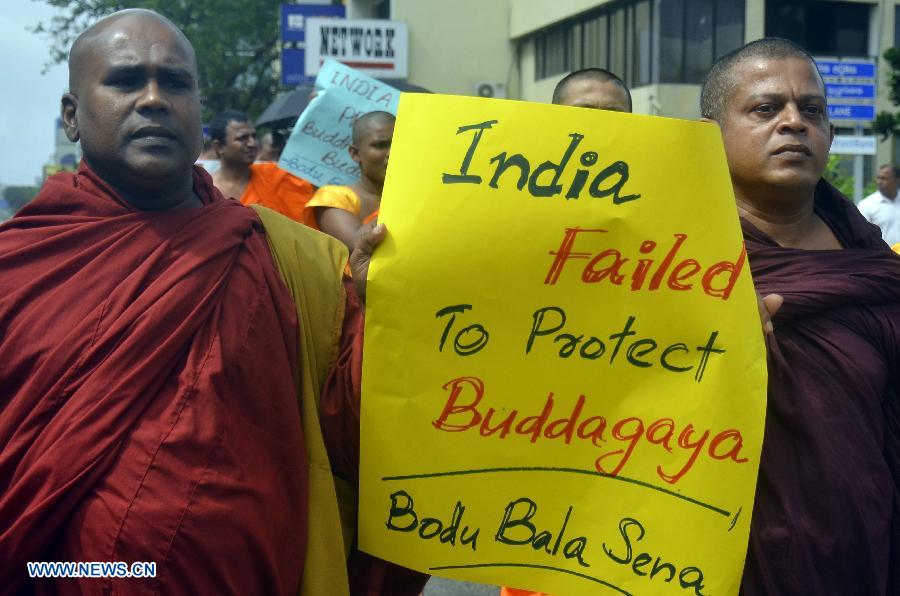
{"x":850,"y":91}
{"x":293,"y":36}
{"x":849,"y":69}
{"x":851,"y":112}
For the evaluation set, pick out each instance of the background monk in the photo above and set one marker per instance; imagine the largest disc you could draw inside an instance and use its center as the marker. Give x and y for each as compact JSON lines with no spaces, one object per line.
{"x":825,"y":519}
{"x":595,"y":88}
{"x":160,"y":370}
{"x":347,"y":212}
{"x":264,"y":183}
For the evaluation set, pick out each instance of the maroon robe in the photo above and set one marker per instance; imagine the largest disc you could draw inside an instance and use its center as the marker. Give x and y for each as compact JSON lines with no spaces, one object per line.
{"x":148,"y":364}
{"x":827,"y":513}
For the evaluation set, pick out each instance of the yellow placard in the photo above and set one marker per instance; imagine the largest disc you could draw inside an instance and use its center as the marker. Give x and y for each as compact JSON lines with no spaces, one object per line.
{"x":564,"y":374}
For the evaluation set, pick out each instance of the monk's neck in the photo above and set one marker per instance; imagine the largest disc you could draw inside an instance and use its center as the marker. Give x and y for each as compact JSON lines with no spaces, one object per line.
{"x":789,"y":220}
{"x":369,"y":190}
{"x":182,"y":197}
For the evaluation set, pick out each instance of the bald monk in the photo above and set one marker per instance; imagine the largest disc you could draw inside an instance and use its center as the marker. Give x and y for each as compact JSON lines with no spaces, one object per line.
{"x":241,"y":177}
{"x":595,"y":88}
{"x":826,"y":517}
{"x":162,"y":374}
{"x":347,"y":212}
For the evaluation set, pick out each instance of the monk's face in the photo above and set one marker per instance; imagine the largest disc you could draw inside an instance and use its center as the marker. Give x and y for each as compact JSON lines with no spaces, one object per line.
{"x":134,"y":104}
{"x":374,"y":149}
{"x":775,"y":128}
{"x":591,"y":93}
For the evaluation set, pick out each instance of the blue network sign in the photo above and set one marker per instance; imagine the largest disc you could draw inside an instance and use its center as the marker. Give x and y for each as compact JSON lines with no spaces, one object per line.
{"x":293,"y":38}
{"x":861,"y":113}
{"x":849,"y":69}
{"x":850,"y":90}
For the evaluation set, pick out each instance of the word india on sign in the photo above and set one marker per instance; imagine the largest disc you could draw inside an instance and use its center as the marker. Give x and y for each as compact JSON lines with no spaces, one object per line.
{"x":373,"y":46}
{"x":564,"y":378}
{"x":317,"y":147}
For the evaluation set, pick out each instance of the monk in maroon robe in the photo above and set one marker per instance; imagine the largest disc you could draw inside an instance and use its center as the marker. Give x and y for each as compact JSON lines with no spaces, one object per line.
{"x":827,"y":514}
{"x":149,"y":353}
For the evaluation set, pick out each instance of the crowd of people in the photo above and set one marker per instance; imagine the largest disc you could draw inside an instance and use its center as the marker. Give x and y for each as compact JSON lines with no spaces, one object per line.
{"x":180,"y":374}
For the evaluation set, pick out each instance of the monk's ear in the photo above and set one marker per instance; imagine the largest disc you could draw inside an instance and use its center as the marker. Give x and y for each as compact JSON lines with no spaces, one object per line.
{"x":216,"y":147}
{"x":354,"y":153}
{"x":69,"y":113}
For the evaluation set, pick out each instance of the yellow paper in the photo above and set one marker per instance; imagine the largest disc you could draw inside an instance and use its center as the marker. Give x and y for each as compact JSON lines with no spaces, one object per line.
{"x":564,"y":374}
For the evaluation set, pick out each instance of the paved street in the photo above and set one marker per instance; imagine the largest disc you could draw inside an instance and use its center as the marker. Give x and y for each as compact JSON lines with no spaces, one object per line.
{"x":446,"y":587}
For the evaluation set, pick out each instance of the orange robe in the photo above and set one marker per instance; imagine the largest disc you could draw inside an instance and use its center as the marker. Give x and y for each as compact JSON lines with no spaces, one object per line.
{"x":336,"y":197}
{"x":272,"y":187}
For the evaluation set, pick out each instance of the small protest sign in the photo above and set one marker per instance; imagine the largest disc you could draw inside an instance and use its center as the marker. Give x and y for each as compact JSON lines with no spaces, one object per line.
{"x":317,"y":147}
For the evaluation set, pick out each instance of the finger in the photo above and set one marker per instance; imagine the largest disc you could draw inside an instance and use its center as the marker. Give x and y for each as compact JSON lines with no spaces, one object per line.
{"x":773,"y":302}
{"x":367,"y":241}
{"x":768,"y":306}
{"x":362,"y":255}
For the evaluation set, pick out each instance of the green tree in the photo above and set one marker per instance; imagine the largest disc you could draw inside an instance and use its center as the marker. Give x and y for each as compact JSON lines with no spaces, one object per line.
{"x":236,"y":43}
{"x":17,"y":196}
{"x":887,"y":124}
{"x":842,"y":180}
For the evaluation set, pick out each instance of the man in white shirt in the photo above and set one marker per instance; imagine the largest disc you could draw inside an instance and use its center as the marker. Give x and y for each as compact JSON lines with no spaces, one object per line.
{"x":882,"y":208}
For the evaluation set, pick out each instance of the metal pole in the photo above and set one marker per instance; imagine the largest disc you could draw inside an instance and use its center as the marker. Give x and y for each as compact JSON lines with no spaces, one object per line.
{"x":858,"y":171}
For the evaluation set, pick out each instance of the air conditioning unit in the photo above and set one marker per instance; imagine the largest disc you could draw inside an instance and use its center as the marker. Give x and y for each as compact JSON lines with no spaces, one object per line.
{"x":490,"y":89}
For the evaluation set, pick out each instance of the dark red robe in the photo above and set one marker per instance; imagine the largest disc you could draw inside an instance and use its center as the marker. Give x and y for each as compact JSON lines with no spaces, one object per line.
{"x":147,"y":388}
{"x":827,"y":509}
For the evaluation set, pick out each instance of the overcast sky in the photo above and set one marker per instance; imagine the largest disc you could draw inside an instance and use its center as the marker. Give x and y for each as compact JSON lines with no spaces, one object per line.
{"x":29,"y":101}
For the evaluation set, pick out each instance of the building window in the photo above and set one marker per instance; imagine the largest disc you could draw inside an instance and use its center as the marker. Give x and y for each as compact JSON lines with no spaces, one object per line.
{"x":552,"y":49}
{"x":644,"y":41}
{"x":896,"y":31}
{"x":696,"y":33}
{"x":382,"y":9}
{"x":821,"y":27}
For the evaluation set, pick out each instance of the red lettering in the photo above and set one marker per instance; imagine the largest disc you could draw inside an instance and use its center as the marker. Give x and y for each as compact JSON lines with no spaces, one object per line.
{"x":591,"y":275}
{"x":451,"y":409}
{"x":632,"y":439}
{"x":677,"y":276}
{"x":724,"y":267}
{"x":734,"y":452}
{"x":564,"y":253}
{"x":684,"y":442}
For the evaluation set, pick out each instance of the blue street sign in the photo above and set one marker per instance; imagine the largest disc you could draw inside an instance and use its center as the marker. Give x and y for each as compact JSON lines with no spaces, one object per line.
{"x":292,"y":67}
{"x":851,"y":112}
{"x":293,"y":35}
{"x":850,"y":91}
{"x":859,"y":69}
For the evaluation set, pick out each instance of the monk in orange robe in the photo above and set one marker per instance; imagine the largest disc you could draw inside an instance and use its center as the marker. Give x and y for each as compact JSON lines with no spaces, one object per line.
{"x":347,"y":212}
{"x":161,"y":372}
{"x":254,"y":183}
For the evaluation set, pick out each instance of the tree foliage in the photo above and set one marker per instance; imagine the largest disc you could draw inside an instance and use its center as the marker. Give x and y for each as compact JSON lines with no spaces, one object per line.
{"x":887,"y":124}
{"x":17,"y":196}
{"x":236,"y":43}
{"x":841,"y":180}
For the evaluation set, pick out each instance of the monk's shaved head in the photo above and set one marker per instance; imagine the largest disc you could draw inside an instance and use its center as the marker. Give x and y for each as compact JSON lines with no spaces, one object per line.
{"x":367,"y":122}
{"x":80,"y":53}
{"x":720,"y":80}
